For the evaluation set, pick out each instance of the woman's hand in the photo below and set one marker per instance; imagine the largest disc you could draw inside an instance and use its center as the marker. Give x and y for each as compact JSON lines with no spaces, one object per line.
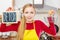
{"x":51,"y":12}
{"x":10,"y":9}
{"x":8,"y":24}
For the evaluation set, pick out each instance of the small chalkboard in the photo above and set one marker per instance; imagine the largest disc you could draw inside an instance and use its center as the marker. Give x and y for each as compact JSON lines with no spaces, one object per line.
{"x":9,"y":16}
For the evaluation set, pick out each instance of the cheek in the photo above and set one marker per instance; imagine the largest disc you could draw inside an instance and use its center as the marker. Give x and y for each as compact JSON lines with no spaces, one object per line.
{"x":25,"y":15}
{"x":29,"y":15}
{"x":32,"y":15}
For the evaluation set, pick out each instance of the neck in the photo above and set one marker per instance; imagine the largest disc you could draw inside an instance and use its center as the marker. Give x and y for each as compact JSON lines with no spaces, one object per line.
{"x":29,"y":21}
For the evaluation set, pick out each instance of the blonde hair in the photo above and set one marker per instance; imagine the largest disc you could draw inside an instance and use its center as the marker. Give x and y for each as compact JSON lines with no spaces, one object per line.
{"x":22,"y":26}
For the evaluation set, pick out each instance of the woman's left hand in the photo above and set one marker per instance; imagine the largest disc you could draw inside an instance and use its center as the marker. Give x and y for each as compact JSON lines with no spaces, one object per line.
{"x":51,"y":12}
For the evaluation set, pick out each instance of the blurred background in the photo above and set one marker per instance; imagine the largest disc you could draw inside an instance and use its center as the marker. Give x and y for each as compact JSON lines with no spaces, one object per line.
{"x":42,"y":8}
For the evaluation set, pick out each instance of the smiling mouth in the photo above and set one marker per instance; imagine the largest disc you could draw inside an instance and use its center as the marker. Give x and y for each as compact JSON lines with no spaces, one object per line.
{"x":29,"y":17}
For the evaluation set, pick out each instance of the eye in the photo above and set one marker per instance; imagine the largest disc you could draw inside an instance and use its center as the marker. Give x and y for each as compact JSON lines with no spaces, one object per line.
{"x":26,"y":12}
{"x":31,"y":12}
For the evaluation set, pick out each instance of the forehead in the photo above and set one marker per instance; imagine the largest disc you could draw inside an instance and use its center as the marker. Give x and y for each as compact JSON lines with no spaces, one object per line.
{"x":29,"y":9}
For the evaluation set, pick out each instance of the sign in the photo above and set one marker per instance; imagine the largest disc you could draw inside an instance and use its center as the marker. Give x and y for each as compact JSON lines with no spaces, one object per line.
{"x":9,"y":16}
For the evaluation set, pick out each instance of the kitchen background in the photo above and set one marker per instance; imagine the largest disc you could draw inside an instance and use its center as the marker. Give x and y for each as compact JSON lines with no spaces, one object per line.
{"x":42,"y":8}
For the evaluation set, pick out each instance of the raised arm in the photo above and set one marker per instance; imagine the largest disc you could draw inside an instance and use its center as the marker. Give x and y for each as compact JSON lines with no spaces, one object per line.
{"x":51,"y":29}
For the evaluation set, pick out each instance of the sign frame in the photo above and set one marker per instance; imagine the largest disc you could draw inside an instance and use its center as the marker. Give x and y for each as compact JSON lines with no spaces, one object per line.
{"x":6,"y":12}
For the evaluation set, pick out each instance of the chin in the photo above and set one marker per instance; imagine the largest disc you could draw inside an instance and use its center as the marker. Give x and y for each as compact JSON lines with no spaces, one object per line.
{"x":29,"y":20}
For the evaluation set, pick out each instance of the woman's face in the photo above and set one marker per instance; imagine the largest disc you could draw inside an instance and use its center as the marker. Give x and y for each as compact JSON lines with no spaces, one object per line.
{"x":29,"y":13}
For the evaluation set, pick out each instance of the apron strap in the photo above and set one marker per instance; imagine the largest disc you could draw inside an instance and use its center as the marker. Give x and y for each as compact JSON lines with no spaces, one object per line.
{"x":34,"y":24}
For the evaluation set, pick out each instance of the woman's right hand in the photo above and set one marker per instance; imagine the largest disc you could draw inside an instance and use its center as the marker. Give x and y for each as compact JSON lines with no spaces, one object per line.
{"x":9,"y":9}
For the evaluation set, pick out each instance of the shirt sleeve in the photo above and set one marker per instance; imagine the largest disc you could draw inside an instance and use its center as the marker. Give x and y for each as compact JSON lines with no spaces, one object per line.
{"x":3,"y":27}
{"x":50,"y":30}
{"x":13,"y":27}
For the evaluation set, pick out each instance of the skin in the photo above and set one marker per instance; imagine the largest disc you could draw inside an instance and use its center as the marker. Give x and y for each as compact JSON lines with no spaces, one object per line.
{"x":51,"y":12}
{"x":29,"y":14}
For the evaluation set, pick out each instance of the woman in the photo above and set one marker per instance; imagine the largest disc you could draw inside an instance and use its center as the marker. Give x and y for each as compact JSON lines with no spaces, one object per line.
{"x":30,"y":29}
